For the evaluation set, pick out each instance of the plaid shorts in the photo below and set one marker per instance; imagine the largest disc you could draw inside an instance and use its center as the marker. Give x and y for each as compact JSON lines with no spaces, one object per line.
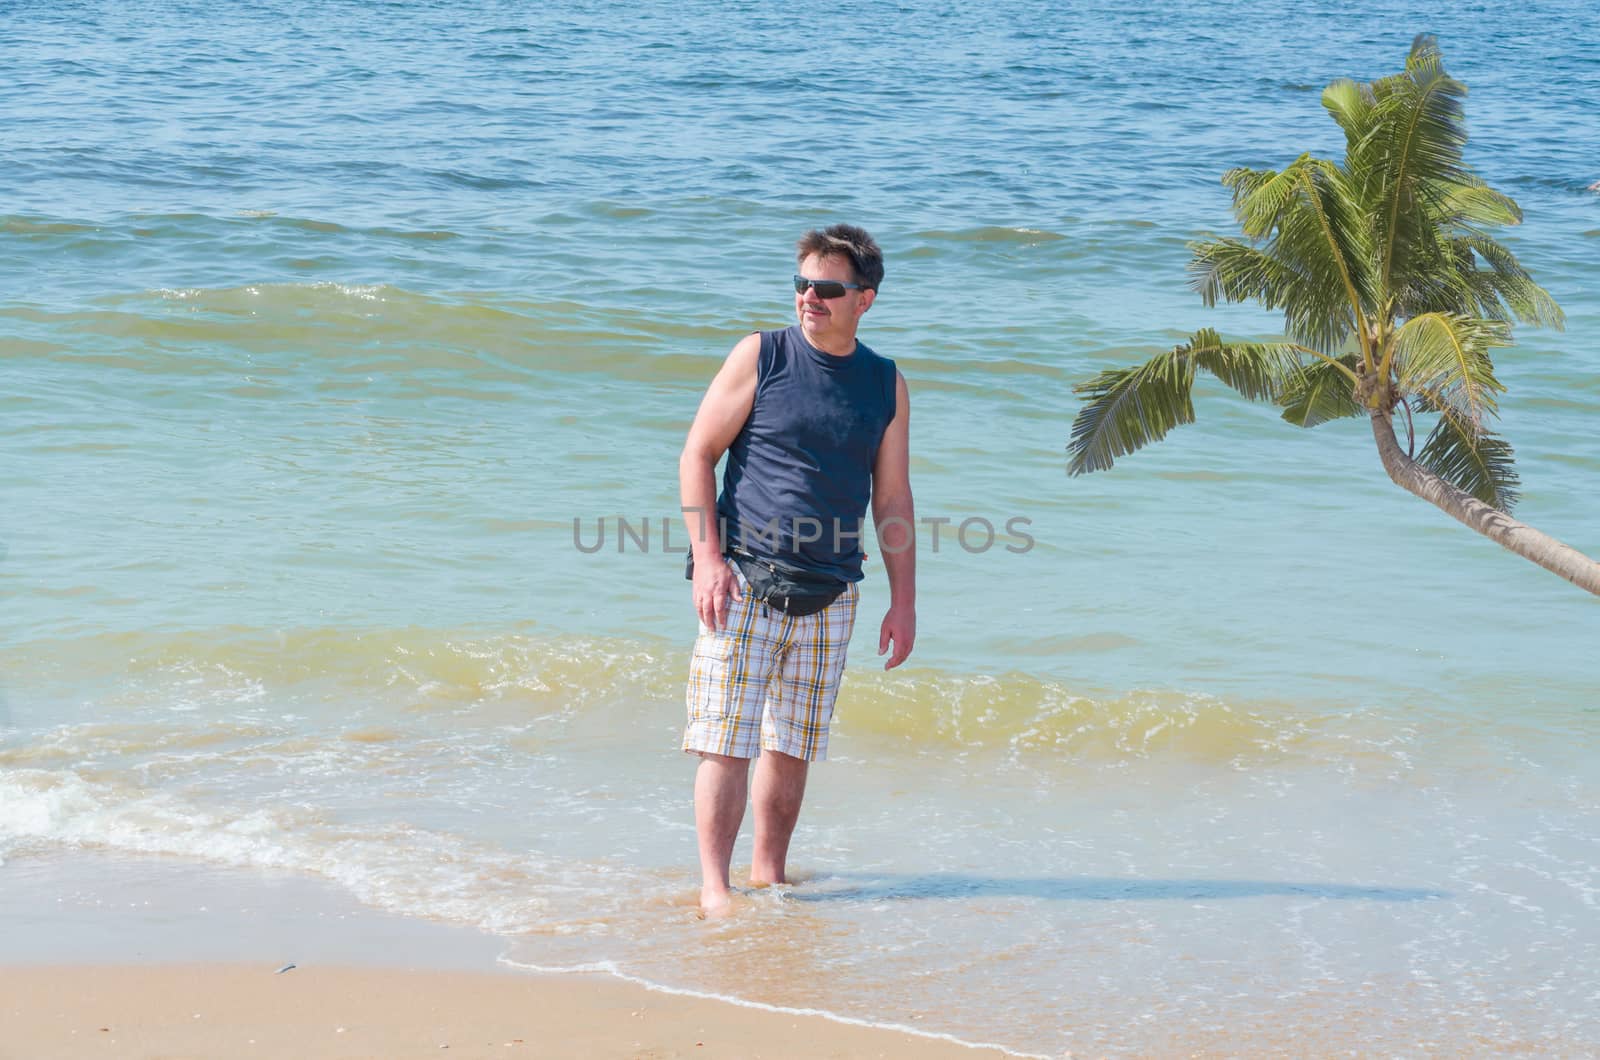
{"x":768,"y":680}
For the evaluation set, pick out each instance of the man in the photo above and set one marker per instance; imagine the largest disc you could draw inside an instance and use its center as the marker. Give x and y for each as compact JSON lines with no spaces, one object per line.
{"x":814,"y":424}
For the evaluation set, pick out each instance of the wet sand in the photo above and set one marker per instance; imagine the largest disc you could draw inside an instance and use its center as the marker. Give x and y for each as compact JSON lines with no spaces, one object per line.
{"x":235,"y":1010}
{"x":104,"y":955}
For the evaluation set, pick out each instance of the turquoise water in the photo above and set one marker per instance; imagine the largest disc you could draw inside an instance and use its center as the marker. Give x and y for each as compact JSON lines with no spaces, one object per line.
{"x":322,"y":327}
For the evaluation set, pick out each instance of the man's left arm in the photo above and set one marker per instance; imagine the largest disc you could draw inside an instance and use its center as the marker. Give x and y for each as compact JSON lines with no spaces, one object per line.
{"x":894,"y":517}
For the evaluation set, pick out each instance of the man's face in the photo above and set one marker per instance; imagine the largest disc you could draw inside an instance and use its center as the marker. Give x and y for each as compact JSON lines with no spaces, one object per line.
{"x":830,"y":317}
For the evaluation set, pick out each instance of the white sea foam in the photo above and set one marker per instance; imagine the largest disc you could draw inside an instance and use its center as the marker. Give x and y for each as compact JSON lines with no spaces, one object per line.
{"x":610,"y":968}
{"x":398,"y":868}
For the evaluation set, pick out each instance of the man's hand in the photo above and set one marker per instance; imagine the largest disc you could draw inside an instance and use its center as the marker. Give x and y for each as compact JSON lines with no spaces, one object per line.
{"x":714,"y":588}
{"x":899,"y":626}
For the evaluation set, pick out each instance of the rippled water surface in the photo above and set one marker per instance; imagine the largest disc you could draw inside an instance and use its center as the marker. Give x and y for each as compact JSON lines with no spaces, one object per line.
{"x":329,"y":332}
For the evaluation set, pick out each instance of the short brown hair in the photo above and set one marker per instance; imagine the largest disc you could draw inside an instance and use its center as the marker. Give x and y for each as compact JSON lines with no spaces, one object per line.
{"x":845,"y":241}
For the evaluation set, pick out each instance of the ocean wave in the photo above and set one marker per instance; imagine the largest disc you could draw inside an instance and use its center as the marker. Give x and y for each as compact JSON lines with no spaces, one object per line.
{"x":17,"y":225}
{"x":396,"y":867}
{"x":414,"y":667}
{"x":374,"y":328}
{"x":1031,"y":716}
{"x":501,"y":677}
{"x":156,"y":231}
{"x":992,"y":234}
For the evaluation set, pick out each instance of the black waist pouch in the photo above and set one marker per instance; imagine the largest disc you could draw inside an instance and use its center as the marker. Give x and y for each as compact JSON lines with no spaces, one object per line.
{"x":783,"y":588}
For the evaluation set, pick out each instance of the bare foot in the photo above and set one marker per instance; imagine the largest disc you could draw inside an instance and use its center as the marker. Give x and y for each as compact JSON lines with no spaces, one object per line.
{"x":715,"y":904}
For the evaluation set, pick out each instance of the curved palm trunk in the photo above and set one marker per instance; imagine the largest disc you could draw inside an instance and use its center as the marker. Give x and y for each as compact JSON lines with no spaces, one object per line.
{"x":1491,"y":522}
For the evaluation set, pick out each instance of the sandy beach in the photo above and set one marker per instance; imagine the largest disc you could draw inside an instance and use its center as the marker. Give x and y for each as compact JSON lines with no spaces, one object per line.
{"x":206,"y":1010}
{"x":155,"y":957}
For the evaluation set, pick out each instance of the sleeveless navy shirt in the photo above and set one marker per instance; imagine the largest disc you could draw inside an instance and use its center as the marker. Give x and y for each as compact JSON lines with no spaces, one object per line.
{"x":799,"y":474}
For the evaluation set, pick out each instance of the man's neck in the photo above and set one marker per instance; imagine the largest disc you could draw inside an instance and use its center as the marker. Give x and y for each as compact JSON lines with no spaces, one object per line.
{"x":832,"y":345}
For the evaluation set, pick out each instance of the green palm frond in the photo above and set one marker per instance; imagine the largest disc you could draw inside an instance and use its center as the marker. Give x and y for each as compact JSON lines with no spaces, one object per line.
{"x":1351,"y":105}
{"x":1257,"y":370}
{"x":1446,"y":360}
{"x":1325,"y":238}
{"x":1475,"y":461}
{"x":1261,"y":195}
{"x":1509,"y":284}
{"x":1462,"y":270}
{"x":1320,"y":392}
{"x":1413,"y":153}
{"x":1128,"y":408}
{"x":1233,"y":271}
{"x":1475,"y":203}
{"x":1312,"y":258}
{"x":1440,"y":277}
{"x":1230,"y":270}
{"x":1351,"y":226}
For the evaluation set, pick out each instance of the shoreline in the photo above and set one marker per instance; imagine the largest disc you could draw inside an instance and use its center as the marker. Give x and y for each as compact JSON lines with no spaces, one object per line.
{"x":926,"y":1039}
{"x":177,"y":959}
{"x":201,"y":1010}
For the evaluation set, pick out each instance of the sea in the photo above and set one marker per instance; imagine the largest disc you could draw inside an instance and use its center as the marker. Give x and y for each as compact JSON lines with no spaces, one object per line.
{"x":346,"y":353}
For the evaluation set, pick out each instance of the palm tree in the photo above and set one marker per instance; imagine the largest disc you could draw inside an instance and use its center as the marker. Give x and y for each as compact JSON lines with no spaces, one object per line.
{"x":1394,"y":295}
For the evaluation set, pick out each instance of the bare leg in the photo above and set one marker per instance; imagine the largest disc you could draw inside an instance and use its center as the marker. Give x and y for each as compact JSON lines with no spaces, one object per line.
{"x":720,"y":786}
{"x":779,"y":788}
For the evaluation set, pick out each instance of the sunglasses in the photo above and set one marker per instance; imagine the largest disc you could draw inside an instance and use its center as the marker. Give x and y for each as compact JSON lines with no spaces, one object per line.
{"x":825,"y":288}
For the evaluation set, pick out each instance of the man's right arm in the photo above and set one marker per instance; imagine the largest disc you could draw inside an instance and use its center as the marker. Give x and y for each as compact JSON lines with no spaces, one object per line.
{"x":723,"y":412}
